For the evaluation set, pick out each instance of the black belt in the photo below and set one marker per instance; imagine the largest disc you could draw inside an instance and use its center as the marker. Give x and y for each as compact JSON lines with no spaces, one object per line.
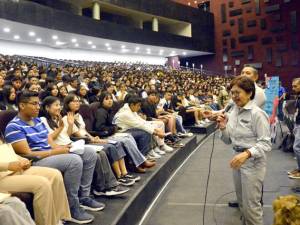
{"x":239,"y":149}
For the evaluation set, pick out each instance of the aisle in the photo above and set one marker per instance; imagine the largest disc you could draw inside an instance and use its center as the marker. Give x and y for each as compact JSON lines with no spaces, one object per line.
{"x":181,"y":203}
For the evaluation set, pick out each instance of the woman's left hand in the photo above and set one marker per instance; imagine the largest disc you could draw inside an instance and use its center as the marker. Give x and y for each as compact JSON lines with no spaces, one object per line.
{"x":238,"y":160}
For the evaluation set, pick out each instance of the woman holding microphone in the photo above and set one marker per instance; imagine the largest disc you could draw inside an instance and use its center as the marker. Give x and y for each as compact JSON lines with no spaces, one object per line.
{"x":247,"y":128}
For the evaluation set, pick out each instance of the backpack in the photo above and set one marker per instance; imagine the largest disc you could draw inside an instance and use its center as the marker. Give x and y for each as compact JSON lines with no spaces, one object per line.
{"x":287,"y":143}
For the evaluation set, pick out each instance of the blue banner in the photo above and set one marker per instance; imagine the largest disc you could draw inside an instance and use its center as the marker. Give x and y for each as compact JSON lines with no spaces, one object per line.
{"x":271,"y":93}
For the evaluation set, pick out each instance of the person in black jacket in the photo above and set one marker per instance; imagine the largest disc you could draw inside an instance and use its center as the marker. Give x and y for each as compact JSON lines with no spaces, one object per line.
{"x":104,"y":125}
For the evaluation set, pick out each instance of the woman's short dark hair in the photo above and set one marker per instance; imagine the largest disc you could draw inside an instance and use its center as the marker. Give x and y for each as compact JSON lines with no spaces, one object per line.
{"x":244,"y":83}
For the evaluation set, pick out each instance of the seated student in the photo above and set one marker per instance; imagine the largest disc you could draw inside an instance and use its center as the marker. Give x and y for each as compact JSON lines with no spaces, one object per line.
{"x":50,"y":202}
{"x":115,"y":152}
{"x":8,"y":98}
{"x":103,"y":124}
{"x":29,"y":136}
{"x":129,"y":121}
{"x":13,"y":212}
{"x":82,"y":92}
{"x":165,"y":105}
{"x":51,"y":90}
{"x":104,"y":180}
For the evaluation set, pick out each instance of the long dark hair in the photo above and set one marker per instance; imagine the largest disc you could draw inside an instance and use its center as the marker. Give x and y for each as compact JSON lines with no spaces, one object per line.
{"x":48,"y":101}
{"x":102,"y":96}
{"x":66,"y":108}
{"x":6,"y":93}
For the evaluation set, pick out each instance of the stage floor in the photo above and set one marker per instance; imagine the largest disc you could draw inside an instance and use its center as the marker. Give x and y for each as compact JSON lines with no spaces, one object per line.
{"x":181,"y":202}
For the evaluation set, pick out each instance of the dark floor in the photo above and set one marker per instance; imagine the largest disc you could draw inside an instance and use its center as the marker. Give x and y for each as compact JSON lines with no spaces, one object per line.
{"x":181,"y":203}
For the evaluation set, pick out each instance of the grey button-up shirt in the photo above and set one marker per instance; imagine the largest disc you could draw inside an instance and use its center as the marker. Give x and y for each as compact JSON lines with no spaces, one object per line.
{"x":248,"y":127}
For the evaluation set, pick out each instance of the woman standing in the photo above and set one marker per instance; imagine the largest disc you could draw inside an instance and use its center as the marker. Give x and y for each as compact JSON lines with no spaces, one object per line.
{"x":247,"y":128}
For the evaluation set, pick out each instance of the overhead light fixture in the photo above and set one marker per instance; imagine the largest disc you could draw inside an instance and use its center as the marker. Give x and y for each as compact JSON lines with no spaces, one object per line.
{"x":107,"y":44}
{"x":76,"y":45}
{"x":54,"y":37}
{"x":124,"y":50}
{"x":38,"y":40}
{"x":148,"y":49}
{"x":90,"y":43}
{"x":31,"y":34}
{"x":160,"y":53}
{"x":184,"y":53}
{"x":123,"y":46}
{"x":137,"y":48}
{"x":94,"y":46}
{"x":189,"y":3}
{"x":109,"y":48}
{"x":6,"y":29}
{"x":74,"y":40}
{"x":17,"y":37}
{"x":59,"y":43}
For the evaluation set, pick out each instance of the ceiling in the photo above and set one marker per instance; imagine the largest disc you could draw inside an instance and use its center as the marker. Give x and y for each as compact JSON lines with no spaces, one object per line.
{"x":24,"y":33}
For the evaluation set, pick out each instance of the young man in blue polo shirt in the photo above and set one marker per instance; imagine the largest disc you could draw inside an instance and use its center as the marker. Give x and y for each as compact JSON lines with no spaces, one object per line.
{"x":29,"y":136}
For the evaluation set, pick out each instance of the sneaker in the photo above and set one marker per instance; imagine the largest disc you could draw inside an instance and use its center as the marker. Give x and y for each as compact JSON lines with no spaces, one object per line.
{"x":295,"y":175}
{"x":132,"y":177}
{"x":207,"y":120}
{"x":167,"y":148}
{"x":292,"y":172}
{"x":154,"y":155}
{"x":159,"y":151}
{"x":90,"y":204}
{"x":79,"y":216}
{"x":185,"y":134}
{"x":125,"y":181}
{"x":115,"y":191}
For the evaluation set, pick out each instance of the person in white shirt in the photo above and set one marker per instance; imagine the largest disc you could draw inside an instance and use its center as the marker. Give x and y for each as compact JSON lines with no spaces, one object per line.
{"x":260,"y":97}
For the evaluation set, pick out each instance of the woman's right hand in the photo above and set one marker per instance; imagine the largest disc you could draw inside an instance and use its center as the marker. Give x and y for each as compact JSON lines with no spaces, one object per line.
{"x":222,"y":121}
{"x":15,"y":166}
{"x":70,"y":118}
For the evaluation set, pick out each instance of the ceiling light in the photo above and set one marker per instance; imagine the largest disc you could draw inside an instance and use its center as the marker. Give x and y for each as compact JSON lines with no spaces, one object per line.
{"x":107,"y":44}
{"x":160,"y":53}
{"x":161,"y":50}
{"x":137,"y":48}
{"x":148,"y":49}
{"x":54,"y":37}
{"x":74,"y":40}
{"x":148,"y":52}
{"x":59,"y":43}
{"x":90,"y":43}
{"x":76,"y":45}
{"x":184,"y":53}
{"x":189,"y":3}
{"x":6,"y":29}
{"x":109,"y":48}
{"x":16,"y":37}
{"x":38,"y":40}
{"x":93,"y":46}
{"x":123,"y":46}
{"x":31,"y":34}
{"x":124,"y":50}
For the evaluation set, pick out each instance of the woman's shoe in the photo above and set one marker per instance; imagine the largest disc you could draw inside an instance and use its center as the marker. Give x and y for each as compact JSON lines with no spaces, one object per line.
{"x":148,"y":164}
{"x":140,"y":169}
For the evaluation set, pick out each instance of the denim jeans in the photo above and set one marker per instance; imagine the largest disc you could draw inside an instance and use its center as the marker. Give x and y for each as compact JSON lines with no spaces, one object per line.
{"x":142,"y":139}
{"x":179,"y":125}
{"x":104,"y":177}
{"x":131,"y":148}
{"x":296,"y":145}
{"x":77,"y":171}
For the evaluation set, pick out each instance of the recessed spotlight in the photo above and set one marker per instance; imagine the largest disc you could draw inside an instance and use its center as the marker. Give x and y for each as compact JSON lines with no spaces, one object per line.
{"x":148,"y":52}
{"x":109,"y":48}
{"x":76,"y":45}
{"x":38,"y":40}
{"x":137,"y":48}
{"x":59,"y":43}
{"x":31,"y":34}
{"x":107,"y":44}
{"x":90,"y":43}
{"x":74,"y":40}
{"x":184,"y":53}
{"x":123,"y":46}
{"x":6,"y":29}
{"x":93,"y":46}
{"x":160,"y":53}
{"x":16,"y":37}
{"x":189,"y":3}
{"x":54,"y":37}
{"x":148,"y":49}
{"x":195,"y":2}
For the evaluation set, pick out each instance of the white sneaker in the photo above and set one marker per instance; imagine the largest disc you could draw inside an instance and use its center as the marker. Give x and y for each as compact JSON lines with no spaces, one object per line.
{"x":159,"y":151}
{"x":154,"y":155}
{"x":207,"y":120}
{"x":185,"y":134}
{"x":202,"y":122}
{"x":167,"y":148}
